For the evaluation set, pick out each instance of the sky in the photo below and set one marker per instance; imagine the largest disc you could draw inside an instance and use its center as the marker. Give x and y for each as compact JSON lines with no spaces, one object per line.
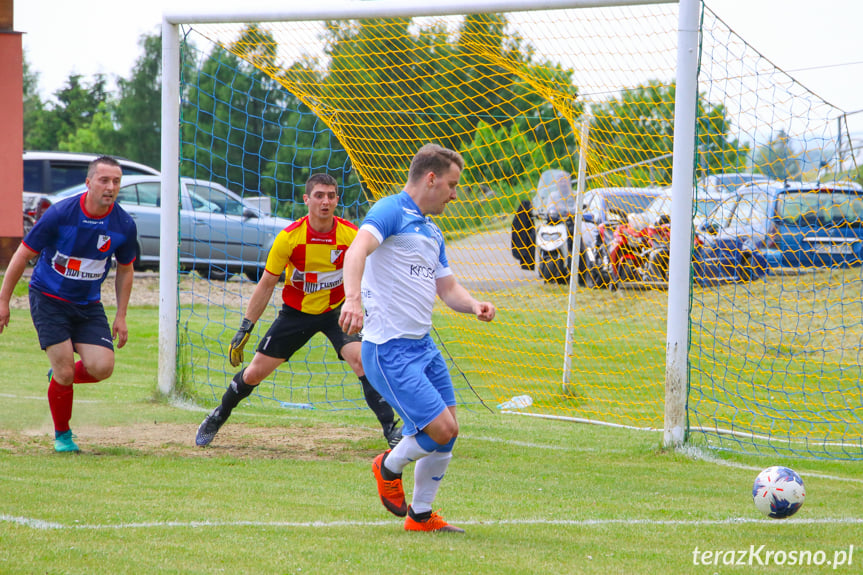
{"x":816,"y":41}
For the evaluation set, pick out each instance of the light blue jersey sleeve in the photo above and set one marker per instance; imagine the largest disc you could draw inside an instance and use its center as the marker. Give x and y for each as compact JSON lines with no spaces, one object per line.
{"x":385,"y":218}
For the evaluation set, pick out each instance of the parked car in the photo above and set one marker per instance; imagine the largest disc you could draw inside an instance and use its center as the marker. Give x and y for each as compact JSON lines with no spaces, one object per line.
{"x":769,"y":226}
{"x":717,"y":185}
{"x":220,"y":235}
{"x":659,"y":210}
{"x":46,"y":173}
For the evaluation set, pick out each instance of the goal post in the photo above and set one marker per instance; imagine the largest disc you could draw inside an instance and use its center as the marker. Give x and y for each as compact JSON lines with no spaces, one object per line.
{"x":677,"y":334}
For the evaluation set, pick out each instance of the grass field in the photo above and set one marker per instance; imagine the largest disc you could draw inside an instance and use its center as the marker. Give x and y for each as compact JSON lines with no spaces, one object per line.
{"x":291,"y":491}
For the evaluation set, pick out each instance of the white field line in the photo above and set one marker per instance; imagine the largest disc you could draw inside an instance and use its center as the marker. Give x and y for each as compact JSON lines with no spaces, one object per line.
{"x":50,"y":525}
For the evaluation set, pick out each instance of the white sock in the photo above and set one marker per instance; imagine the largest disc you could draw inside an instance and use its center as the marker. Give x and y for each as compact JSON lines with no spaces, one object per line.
{"x":427,"y":477}
{"x":406,"y":451}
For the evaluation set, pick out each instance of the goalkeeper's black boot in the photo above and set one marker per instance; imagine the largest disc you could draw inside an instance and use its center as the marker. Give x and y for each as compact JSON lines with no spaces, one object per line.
{"x":392,"y":433}
{"x":210,"y":427}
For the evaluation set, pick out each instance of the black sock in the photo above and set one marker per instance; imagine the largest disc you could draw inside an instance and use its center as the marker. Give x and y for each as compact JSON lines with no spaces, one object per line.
{"x":386,"y":473}
{"x":376,"y":403}
{"x":236,"y":392}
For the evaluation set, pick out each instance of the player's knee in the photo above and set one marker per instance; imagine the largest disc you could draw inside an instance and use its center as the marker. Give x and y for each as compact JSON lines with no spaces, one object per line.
{"x":453,"y":432}
{"x":250,"y":376}
{"x":352,"y":354}
{"x":64,"y":375}
{"x":100,"y":371}
{"x":444,"y":432}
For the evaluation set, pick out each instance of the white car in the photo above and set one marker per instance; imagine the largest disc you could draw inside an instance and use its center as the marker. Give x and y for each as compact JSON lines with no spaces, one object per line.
{"x":220,"y":235}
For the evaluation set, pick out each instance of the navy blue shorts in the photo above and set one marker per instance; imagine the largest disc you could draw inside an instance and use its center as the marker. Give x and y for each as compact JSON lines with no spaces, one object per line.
{"x":293,"y":329}
{"x":57,"y":320}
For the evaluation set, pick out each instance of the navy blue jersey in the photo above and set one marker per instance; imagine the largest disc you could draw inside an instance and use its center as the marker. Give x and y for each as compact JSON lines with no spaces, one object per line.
{"x":76,"y":249}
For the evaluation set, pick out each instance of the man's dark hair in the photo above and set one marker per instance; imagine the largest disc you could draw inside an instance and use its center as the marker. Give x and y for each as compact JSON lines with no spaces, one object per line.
{"x":108,"y":160}
{"x":433,"y":158}
{"x":320,"y":180}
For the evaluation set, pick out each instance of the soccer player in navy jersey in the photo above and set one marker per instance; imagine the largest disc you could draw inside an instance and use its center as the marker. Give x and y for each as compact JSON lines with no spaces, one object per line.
{"x":402,"y":254}
{"x":75,"y":239}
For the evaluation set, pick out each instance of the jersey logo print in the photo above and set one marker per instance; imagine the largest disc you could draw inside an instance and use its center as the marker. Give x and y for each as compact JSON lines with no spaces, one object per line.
{"x":103,"y":244}
{"x":336,"y":256}
{"x":79,"y":269}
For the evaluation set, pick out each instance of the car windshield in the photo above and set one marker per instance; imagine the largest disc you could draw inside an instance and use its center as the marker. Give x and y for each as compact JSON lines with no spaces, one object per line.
{"x":722,"y":212}
{"x":703,"y":206}
{"x":209,"y":199}
{"x":73,"y":191}
{"x":751,"y":209}
{"x":820,"y":208}
{"x":731,"y":182}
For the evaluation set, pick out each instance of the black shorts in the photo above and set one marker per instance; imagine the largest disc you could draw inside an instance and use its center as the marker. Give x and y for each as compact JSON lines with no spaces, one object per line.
{"x":57,"y":320}
{"x":293,"y":329}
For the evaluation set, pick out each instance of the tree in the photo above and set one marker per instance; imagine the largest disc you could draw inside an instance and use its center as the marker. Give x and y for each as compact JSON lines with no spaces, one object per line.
{"x":230,"y":122}
{"x":419,"y":85}
{"x":638,"y":128}
{"x":243,"y":128}
{"x":77,"y":105}
{"x":91,"y":137}
{"x":137,"y":112}
{"x":33,"y":105}
{"x":778,"y":159}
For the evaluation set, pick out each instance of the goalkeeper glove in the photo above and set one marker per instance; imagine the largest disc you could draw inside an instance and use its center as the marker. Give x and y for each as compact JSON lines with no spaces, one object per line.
{"x":235,"y":351}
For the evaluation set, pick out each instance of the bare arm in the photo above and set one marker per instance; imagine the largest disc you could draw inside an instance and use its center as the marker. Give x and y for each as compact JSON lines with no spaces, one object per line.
{"x":456,"y":297}
{"x":10,"y":279}
{"x":123,"y":291}
{"x":351,"y":317}
{"x":261,"y":296}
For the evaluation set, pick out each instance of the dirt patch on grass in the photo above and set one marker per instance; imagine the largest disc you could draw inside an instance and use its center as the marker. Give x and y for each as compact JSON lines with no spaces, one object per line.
{"x":234,"y":440}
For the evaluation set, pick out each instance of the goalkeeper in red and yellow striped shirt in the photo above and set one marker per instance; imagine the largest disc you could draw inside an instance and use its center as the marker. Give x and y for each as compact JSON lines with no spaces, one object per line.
{"x":311,"y":252}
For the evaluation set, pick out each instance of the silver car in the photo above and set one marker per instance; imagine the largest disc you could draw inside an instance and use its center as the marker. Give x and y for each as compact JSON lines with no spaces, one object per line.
{"x":220,"y":235}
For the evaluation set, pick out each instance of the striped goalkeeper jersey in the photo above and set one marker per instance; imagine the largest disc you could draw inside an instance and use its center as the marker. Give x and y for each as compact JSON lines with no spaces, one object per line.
{"x":312,"y":263}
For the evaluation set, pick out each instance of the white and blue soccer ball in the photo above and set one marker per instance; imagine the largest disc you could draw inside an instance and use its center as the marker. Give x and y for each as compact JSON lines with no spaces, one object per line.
{"x":778,"y":492}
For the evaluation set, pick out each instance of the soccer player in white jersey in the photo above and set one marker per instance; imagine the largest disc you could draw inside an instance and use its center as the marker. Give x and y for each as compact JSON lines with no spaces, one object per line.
{"x":394,"y":268}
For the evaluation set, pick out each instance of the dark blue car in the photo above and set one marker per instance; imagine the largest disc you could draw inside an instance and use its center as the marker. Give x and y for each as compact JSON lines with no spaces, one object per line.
{"x":769,"y":226}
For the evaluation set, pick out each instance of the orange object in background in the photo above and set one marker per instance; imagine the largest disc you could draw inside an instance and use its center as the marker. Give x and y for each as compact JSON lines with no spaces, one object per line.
{"x":12,"y":142}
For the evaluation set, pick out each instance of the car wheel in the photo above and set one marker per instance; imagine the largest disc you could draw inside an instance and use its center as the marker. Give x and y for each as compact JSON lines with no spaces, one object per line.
{"x":254,"y":273}
{"x":627,"y":272}
{"x":218,"y":274}
{"x":138,"y":265}
{"x":744,"y":274}
{"x":28,"y":224}
{"x":657,"y":266}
